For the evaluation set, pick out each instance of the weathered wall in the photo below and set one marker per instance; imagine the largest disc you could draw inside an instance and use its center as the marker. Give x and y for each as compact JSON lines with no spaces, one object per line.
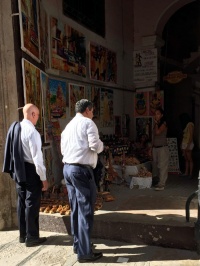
{"x":8,"y":110}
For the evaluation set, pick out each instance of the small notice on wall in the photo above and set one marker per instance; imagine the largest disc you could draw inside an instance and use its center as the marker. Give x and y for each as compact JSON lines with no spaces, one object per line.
{"x":173,"y":156}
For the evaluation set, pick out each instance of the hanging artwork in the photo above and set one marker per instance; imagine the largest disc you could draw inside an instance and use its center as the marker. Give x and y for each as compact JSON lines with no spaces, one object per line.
{"x":68,"y":50}
{"x":32,"y":88}
{"x":92,"y":93}
{"x":47,"y":155}
{"x":46,"y":107}
{"x":103,"y":64}
{"x":141,"y":104}
{"x":76,"y":92}
{"x":144,"y":126}
{"x":156,"y":99}
{"x":58,"y":98}
{"x":29,"y":30}
{"x":106,"y":107}
{"x":43,"y":24}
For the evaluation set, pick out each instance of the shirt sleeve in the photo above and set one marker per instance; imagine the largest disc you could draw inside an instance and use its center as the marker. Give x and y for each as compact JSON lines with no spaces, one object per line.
{"x":95,"y":144}
{"x":35,"y":145}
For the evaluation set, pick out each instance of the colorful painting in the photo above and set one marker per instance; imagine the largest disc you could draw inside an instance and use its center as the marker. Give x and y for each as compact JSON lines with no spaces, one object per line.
{"x":103,"y":64}
{"x":141,"y":104}
{"x":46,"y":107}
{"x":144,"y":126}
{"x":68,"y":49}
{"x":47,"y":155}
{"x":156,"y":99}
{"x":76,"y":92}
{"x":44,"y":47}
{"x":92,"y":93}
{"x":29,"y":30}
{"x":106,"y":107}
{"x":58,"y":98}
{"x":32,"y":88}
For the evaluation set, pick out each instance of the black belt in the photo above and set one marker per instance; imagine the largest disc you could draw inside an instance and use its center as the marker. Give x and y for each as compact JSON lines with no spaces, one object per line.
{"x":160,"y":146}
{"x":80,"y":165}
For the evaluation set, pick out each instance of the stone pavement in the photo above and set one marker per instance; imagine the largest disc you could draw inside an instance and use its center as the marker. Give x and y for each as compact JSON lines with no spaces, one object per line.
{"x":57,"y":251}
{"x":142,"y":216}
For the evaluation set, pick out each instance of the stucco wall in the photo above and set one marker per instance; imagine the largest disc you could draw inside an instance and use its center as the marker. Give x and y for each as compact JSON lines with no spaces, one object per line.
{"x":8,"y":110}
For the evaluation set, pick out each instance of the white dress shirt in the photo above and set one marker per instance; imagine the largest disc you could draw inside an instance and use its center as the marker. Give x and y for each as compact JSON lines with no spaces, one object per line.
{"x":80,"y":141}
{"x":32,"y":147}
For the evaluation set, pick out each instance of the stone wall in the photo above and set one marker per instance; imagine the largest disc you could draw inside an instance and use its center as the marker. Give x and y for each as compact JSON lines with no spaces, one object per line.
{"x":8,"y":110}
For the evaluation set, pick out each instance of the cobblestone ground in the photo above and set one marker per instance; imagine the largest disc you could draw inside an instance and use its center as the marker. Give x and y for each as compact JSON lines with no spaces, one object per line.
{"x":57,"y":251}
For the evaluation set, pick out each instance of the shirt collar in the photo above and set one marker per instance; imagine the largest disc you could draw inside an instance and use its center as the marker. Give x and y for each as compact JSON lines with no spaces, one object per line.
{"x":28,"y":122}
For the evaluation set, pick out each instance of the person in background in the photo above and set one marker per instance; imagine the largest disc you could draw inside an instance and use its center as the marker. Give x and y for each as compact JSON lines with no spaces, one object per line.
{"x":187,"y":143}
{"x":23,"y":160}
{"x":80,"y":145}
{"x":160,"y":149}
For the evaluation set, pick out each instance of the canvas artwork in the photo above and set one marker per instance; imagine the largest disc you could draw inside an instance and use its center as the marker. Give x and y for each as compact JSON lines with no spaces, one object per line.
{"x":46,"y":107}
{"x":43,"y":24}
{"x":103,"y":64}
{"x":29,"y":29}
{"x":58,"y":98}
{"x":32,"y":88}
{"x":106,"y":107}
{"x":68,"y":49}
{"x":141,"y":104}
{"x":156,"y":99}
{"x":76,"y":92}
{"x":144,"y":126}
{"x":48,"y":157}
{"x":92,"y":93}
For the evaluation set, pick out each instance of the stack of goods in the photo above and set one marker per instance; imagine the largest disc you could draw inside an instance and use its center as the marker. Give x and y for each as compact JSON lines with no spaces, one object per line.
{"x":143,"y":179}
{"x":56,"y":200}
{"x":143,"y":172}
{"x":106,"y":196}
{"x":127,"y":160}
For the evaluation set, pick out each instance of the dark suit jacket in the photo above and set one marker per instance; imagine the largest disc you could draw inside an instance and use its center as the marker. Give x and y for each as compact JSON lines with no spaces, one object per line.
{"x":13,"y":155}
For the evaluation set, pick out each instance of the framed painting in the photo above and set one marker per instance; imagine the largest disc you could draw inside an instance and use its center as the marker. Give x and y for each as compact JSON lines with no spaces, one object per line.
{"x":76,"y":93}
{"x":29,"y":29}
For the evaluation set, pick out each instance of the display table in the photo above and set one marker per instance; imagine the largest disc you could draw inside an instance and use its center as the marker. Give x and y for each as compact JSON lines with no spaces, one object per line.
{"x":131,"y":170}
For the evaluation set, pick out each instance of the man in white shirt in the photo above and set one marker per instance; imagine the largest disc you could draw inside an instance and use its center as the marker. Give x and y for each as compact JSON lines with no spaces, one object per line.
{"x":24,"y":161}
{"x":80,"y":145}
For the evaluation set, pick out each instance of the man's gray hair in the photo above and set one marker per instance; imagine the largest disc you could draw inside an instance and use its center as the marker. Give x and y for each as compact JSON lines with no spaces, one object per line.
{"x":82,"y":105}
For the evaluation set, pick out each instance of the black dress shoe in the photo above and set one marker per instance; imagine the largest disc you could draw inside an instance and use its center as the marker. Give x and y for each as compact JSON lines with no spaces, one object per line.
{"x":92,"y":257}
{"x":75,"y":250}
{"x":22,"y":239}
{"x":31,"y":242}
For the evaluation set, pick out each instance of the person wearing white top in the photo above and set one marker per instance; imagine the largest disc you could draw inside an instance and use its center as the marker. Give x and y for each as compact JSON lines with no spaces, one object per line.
{"x":29,"y":192}
{"x":80,"y":145}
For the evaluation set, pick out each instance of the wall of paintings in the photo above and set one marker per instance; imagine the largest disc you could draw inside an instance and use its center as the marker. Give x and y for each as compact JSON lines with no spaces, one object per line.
{"x":67,"y":67}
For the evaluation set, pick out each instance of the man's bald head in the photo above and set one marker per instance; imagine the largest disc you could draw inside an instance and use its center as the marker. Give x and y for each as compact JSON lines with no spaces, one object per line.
{"x":31,"y":112}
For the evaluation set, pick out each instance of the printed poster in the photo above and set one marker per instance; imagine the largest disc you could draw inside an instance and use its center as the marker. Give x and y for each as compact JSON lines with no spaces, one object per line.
{"x":76,"y":92}
{"x":58,"y":98}
{"x":106,"y":108}
{"x":29,"y":29}
{"x":141,"y":104}
{"x":173,"y":156}
{"x":144,"y":126}
{"x":68,"y":48}
{"x":156,"y":99}
{"x":32,"y":88}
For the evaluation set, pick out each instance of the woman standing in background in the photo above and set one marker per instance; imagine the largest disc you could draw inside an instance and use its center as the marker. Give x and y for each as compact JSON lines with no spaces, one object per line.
{"x":160,"y":149}
{"x":187,"y":143}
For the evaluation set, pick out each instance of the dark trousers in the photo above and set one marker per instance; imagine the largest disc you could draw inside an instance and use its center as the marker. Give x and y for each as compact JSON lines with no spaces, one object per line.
{"x":82,"y":196}
{"x":28,"y":203}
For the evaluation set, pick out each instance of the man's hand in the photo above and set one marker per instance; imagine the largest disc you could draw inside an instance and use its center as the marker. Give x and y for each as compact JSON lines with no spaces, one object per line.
{"x":45,"y":185}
